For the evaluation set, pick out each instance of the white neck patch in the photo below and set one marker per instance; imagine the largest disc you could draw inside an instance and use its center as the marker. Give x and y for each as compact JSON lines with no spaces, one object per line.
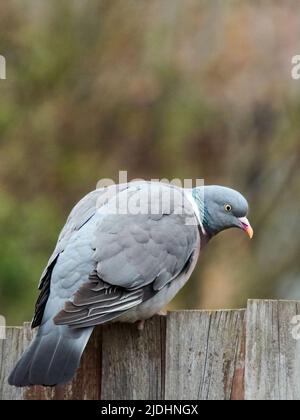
{"x":189,"y":195}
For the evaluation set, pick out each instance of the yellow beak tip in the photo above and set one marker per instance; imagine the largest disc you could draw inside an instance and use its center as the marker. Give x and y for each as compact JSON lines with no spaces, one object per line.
{"x":250,"y":232}
{"x":245,"y":225}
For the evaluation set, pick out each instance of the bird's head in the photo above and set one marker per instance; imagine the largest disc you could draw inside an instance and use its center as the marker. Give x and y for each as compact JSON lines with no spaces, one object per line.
{"x":222,"y":208}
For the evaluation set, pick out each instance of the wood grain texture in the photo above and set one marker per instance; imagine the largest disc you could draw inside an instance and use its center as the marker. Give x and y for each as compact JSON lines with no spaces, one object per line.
{"x":272,"y":367}
{"x":17,"y":340}
{"x":186,"y":355}
{"x":10,"y":350}
{"x":204,"y":355}
{"x":133,"y":361}
{"x":86,"y":384}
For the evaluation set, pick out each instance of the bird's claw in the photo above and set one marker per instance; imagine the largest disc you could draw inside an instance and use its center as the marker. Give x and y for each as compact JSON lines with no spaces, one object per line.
{"x":162,"y":312}
{"x":140,"y":325}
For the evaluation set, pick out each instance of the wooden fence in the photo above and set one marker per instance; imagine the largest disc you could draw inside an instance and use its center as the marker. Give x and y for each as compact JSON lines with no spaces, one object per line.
{"x":235,"y":354}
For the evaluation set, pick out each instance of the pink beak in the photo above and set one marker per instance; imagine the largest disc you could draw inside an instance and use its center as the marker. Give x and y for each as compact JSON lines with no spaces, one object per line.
{"x":245,"y":225}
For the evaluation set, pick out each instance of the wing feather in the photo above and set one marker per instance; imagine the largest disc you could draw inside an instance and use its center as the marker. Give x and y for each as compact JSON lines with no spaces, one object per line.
{"x":136,"y":255}
{"x":83,"y":211}
{"x":96,"y":304}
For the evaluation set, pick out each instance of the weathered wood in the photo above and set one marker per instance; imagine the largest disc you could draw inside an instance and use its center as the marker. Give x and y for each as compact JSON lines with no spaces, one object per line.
{"x":204,"y":355}
{"x":186,"y":355}
{"x":17,"y":340}
{"x":10,"y":350}
{"x":133,"y":361}
{"x":272,"y":367}
{"x":86,"y":384}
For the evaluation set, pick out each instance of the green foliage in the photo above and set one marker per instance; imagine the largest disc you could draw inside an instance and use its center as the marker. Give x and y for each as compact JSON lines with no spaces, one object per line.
{"x":161,"y":89}
{"x":27,"y":233}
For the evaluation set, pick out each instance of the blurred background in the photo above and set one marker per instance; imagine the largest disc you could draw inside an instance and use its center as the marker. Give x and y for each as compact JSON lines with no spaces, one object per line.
{"x":160,"y":88}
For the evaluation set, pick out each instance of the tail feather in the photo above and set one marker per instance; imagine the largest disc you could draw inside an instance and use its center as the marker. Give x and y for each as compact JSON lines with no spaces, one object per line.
{"x":51,"y":358}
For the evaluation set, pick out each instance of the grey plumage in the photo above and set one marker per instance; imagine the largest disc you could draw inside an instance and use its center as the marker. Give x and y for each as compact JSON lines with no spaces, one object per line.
{"x":132,"y":252}
{"x":52,"y":358}
{"x":110,"y":266}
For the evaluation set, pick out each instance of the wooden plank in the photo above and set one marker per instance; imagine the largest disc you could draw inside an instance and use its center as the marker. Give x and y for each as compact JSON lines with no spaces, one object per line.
{"x":17,"y":340}
{"x":188,"y":355}
{"x":86,"y":384}
{"x":204,"y":355}
{"x":10,"y":350}
{"x":272,"y":366}
{"x":133,"y":361}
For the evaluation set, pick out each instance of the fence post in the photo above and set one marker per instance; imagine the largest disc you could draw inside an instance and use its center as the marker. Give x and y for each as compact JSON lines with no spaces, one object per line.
{"x":272,"y":368}
{"x":233,"y":354}
{"x":2,"y":67}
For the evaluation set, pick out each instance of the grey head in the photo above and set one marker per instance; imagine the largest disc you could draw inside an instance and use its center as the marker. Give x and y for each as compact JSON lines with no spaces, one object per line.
{"x":222,"y":208}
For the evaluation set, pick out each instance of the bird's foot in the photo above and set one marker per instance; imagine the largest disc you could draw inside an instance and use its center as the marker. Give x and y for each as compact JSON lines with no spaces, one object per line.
{"x":140,"y":324}
{"x":162,"y":312}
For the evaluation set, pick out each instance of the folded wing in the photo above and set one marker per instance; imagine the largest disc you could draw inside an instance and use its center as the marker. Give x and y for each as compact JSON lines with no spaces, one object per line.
{"x":136,"y":255}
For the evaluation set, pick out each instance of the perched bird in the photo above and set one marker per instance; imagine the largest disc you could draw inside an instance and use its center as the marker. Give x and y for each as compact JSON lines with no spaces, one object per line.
{"x":123,"y":254}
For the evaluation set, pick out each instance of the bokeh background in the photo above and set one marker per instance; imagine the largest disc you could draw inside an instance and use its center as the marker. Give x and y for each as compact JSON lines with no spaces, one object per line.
{"x":160,"y":88}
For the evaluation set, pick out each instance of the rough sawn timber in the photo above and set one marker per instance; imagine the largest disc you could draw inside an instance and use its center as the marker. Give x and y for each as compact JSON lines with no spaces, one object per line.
{"x":198,"y":355}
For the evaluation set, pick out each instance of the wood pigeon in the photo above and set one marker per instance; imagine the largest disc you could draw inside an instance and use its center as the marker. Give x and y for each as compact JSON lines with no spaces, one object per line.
{"x":124,"y":253}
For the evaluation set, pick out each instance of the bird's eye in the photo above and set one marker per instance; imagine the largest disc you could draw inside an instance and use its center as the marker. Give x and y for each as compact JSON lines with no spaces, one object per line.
{"x":227,"y":208}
